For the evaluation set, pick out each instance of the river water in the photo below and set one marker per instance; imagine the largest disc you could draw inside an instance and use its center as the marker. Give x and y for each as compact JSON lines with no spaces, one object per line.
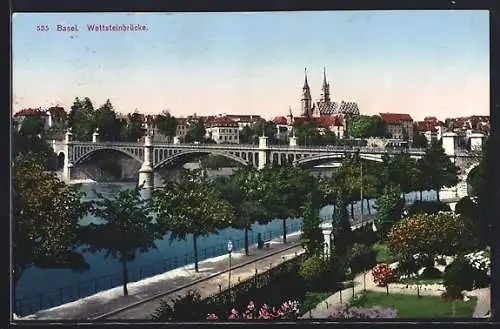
{"x":40,"y":289}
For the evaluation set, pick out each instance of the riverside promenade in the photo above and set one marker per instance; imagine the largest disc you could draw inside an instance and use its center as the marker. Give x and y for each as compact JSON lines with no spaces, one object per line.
{"x":145,"y":295}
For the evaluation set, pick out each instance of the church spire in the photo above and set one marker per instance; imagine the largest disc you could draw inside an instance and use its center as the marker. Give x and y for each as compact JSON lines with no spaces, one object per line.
{"x":325,"y":90}
{"x":306,"y":85}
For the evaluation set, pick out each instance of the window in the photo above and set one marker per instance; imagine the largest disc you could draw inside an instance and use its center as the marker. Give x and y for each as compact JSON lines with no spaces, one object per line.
{"x":220,"y":137}
{"x":230,"y":137}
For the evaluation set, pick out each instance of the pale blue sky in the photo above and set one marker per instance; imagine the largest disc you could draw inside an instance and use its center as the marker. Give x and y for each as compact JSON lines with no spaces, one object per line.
{"x":417,"y":62}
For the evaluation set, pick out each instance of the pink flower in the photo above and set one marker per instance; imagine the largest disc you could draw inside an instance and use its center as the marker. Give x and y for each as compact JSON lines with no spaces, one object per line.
{"x":212,"y":316}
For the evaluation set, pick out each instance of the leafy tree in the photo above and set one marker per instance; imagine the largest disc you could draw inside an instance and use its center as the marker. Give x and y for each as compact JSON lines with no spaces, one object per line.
{"x":133,"y":129}
{"x":342,"y":233}
{"x":166,"y":124}
{"x":479,"y":180}
{"x":402,"y":171}
{"x":81,"y":119}
{"x":268,"y":128}
{"x":429,"y":235}
{"x":46,"y":212}
{"x":127,"y":228}
{"x":106,"y":120}
{"x":419,"y":140}
{"x":438,"y":168}
{"x":312,"y":235}
{"x":32,"y":126}
{"x":246,"y":135}
{"x":245,"y":210}
{"x":196,"y":131}
{"x":307,"y":133}
{"x":389,"y":210}
{"x":191,"y":205}
{"x":364,"y":126}
{"x":283,"y":192}
{"x":24,"y":142}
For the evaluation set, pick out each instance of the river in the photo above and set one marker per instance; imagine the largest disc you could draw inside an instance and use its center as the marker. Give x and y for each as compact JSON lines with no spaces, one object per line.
{"x":40,"y":289}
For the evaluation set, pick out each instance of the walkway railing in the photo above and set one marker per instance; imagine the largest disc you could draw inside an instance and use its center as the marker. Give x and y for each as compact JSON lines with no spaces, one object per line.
{"x":31,"y":304}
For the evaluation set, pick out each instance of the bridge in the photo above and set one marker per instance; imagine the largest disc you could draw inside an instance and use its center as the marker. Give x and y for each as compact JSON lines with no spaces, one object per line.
{"x":153,"y":155}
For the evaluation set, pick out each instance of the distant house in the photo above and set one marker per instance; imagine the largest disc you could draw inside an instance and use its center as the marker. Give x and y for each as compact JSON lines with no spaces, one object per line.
{"x":57,"y":116}
{"x":431,"y":128}
{"x":335,"y":124}
{"x":398,"y":125}
{"x":244,"y":120}
{"x":223,"y":130}
{"x":20,"y":116}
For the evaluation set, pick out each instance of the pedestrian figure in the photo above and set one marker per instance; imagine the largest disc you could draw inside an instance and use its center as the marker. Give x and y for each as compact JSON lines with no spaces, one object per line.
{"x":260,"y":242}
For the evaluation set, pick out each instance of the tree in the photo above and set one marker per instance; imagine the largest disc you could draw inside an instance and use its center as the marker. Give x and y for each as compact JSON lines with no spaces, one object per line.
{"x":479,"y":180}
{"x":438,"y":168}
{"x":106,"y":120}
{"x":419,"y":140}
{"x":245,"y":210}
{"x":81,"y":119}
{"x":342,"y":233}
{"x":307,"y":133}
{"x":402,"y":171}
{"x":268,"y":128}
{"x":429,"y":235}
{"x":32,"y":126}
{"x":196,"y":131}
{"x":24,"y":142}
{"x":127,"y":228}
{"x":46,"y":213}
{"x":283,"y":192}
{"x":364,"y":126}
{"x":389,"y":210}
{"x":166,"y":124}
{"x":246,"y":135}
{"x":191,"y":205}
{"x":133,"y":129}
{"x":312,"y":235}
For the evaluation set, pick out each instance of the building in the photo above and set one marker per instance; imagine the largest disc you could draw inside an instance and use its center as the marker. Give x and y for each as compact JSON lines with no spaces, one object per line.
{"x":54,"y":116}
{"x":324,"y":106}
{"x":335,"y":124}
{"x":431,"y":128}
{"x":181,"y":127}
{"x":223,"y":130}
{"x":398,"y":125}
{"x":244,"y":120}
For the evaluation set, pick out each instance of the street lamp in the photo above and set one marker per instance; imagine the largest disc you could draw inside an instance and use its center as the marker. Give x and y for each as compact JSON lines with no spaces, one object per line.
{"x":229,"y":250}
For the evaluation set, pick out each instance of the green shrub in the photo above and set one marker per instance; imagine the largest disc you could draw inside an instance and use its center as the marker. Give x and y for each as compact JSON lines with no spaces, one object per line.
{"x":429,"y":207}
{"x":361,"y":258}
{"x":365,"y":235}
{"x":431,"y":273}
{"x":457,"y":277}
{"x":182,"y":308}
{"x":312,"y":268}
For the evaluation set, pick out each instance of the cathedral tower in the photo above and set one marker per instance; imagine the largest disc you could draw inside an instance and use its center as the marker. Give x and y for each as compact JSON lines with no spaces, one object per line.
{"x":306,"y":101}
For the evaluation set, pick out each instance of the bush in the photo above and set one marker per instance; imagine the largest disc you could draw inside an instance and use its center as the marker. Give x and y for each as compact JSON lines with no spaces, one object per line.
{"x":382,"y":274}
{"x":458,"y":276}
{"x":312,"y":268}
{"x":429,"y":207}
{"x":365,"y":235}
{"x":361,"y":258}
{"x":431,"y":273}
{"x":441,"y":261}
{"x":184,"y":308}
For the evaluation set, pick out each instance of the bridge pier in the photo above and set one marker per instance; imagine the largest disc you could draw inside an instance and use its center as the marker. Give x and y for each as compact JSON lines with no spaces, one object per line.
{"x":95,"y":136}
{"x":146,"y":173}
{"x":293,"y":141}
{"x":262,"y":152}
{"x":68,"y":169}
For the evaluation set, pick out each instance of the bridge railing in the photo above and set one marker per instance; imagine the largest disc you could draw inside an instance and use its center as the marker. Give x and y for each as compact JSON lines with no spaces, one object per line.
{"x":31,"y":304}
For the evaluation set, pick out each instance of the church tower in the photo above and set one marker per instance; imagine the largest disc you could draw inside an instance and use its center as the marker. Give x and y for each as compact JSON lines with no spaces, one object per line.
{"x":306,"y":101}
{"x":325,"y":90}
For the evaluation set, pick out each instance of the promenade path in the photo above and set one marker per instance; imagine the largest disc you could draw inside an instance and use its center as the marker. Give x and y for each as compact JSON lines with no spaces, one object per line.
{"x":145,"y":295}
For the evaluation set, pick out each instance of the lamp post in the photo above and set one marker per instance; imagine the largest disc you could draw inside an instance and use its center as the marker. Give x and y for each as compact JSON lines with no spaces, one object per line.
{"x":229,"y":250}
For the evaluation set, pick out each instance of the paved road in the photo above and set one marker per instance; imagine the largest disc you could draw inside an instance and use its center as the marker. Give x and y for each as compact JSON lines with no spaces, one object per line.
{"x":144,"y":296}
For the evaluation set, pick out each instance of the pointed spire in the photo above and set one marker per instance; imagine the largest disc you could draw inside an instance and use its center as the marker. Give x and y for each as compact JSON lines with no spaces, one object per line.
{"x":306,"y":85}
{"x":290,"y":110}
{"x":324,"y":77}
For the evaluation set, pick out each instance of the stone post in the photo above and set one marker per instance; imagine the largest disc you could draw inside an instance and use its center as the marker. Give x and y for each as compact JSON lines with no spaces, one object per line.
{"x":328,"y":238}
{"x":146,"y":173}
{"x":450,"y":143}
{"x":262,"y":152}
{"x":68,"y":158}
{"x":95,"y":136}
{"x":476,"y":141}
{"x":293,"y":141}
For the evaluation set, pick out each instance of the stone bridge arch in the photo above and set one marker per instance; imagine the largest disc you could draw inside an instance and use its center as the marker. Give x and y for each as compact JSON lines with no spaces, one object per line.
{"x":312,"y":160}
{"x":79,"y":157}
{"x":179,"y":155}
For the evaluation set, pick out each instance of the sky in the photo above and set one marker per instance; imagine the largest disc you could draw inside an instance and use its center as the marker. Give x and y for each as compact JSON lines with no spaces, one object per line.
{"x":418,"y":62}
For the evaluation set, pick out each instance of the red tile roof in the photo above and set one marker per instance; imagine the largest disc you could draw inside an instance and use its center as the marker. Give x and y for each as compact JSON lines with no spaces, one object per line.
{"x":423,"y":126}
{"x":222,"y":122}
{"x":29,"y":112}
{"x":280,"y":120}
{"x":395,"y":118}
{"x":328,"y":121}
